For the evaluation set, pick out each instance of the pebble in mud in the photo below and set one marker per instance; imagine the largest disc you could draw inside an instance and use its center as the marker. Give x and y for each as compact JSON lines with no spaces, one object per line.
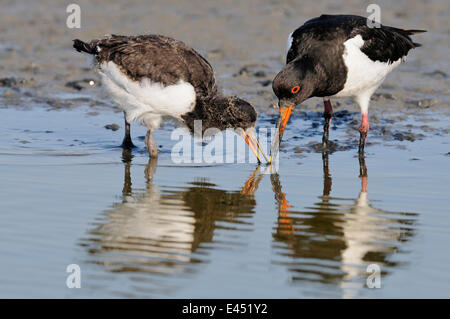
{"x":11,"y":82}
{"x":425,"y":103}
{"x":215,"y":54}
{"x":9,"y":93}
{"x":81,"y":84}
{"x":437,"y":74}
{"x":387,"y":96}
{"x":56,"y":103}
{"x":407,"y":136}
{"x":265,"y":82}
{"x":31,"y":68}
{"x":247,"y":70}
{"x":113,"y":127}
{"x":259,"y":74}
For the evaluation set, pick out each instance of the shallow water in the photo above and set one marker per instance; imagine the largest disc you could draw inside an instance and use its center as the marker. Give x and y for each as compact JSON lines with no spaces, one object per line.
{"x":140,"y":228}
{"x":70,"y":195}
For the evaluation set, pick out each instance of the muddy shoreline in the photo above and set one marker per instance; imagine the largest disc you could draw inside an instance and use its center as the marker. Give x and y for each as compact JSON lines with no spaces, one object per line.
{"x":244,"y":42}
{"x":155,"y":229}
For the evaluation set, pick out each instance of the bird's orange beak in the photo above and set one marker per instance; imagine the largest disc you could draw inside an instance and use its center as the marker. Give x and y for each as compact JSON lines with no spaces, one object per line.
{"x":285,"y":114}
{"x":250,"y":138}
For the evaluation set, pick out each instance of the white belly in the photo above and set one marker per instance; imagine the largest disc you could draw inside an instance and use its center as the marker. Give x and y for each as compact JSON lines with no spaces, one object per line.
{"x":364,"y":76}
{"x":147,"y":100}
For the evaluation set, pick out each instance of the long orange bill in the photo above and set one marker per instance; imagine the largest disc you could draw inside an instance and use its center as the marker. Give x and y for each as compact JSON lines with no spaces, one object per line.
{"x":285,"y":114}
{"x":252,"y":141}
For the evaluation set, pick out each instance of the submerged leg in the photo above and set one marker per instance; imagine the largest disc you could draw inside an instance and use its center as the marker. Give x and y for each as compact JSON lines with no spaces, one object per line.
{"x":363,"y":130}
{"x":126,"y":159}
{"x":363,"y":173}
{"x":327,"y":181}
{"x":127,"y":143}
{"x":327,"y":115}
{"x":150,"y":142}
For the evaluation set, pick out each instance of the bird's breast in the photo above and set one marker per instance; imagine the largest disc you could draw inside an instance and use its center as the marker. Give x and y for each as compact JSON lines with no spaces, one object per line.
{"x":145,"y":95}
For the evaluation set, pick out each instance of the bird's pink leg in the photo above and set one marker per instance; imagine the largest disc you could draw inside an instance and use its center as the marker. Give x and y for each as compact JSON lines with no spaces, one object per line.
{"x":327,"y":115}
{"x":150,"y":142}
{"x":363,"y":130}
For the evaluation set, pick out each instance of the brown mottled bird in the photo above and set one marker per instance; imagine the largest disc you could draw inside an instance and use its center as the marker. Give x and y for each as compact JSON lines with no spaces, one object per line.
{"x":151,"y":76}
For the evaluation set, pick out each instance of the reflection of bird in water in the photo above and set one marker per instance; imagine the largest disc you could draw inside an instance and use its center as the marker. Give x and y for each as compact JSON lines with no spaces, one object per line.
{"x":333,"y":241}
{"x":160,"y":230}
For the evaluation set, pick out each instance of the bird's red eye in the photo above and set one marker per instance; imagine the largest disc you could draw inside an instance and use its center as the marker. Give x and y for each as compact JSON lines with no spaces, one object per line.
{"x":295,"y":89}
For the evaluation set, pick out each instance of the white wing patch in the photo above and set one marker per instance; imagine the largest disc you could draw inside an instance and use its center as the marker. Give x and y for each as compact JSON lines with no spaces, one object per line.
{"x":364,"y":76}
{"x":142,"y":100}
{"x":289,"y":42}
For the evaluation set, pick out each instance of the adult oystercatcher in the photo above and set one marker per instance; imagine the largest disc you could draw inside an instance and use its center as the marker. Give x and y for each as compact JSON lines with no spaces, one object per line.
{"x":151,"y":76}
{"x":338,"y":56}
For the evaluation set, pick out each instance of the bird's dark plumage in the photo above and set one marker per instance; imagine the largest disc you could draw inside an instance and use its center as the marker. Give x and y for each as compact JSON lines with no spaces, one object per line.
{"x":339,"y":56}
{"x":317,"y":50}
{"x":319,"y":44}
{"x":156,"y":57}
{"x":384,"y":43}
{"x":235,"y":113}
{"x":151,"y":76}
{"x":167,"y":61}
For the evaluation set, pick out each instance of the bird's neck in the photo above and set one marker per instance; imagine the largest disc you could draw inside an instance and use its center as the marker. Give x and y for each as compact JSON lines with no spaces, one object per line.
{"x":208,"y":110}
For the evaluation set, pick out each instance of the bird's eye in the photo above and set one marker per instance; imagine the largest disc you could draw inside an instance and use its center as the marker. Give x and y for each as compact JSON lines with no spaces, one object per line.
{"x":295,"y":89}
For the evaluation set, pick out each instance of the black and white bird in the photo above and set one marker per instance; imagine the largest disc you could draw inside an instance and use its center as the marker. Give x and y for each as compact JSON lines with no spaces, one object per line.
{"x":151,"y":76}
{"x":338,"y":56}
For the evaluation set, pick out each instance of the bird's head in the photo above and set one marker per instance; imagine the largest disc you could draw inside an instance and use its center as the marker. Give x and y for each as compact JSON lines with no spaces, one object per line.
{"x":227,"y":112}
{"x":294,"y":84}
{"x":236,"y":113}
{"x":241,"y":116}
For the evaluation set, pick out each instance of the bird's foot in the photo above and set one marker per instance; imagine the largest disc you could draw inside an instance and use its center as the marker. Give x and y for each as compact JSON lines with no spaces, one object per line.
{"x":127,"y":143}
{"x":150,"y":142}
{"x":365,"y":126}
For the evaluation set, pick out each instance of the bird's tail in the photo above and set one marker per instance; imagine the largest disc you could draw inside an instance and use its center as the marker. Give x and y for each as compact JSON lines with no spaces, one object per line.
{"x":81,"y":46}
{"x":407,"y":33}
{"x":411,"y":32}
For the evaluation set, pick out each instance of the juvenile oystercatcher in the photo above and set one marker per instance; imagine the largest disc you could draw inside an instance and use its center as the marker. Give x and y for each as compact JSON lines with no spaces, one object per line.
{"x":151,"y":76}
{"x":338,"y":56}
